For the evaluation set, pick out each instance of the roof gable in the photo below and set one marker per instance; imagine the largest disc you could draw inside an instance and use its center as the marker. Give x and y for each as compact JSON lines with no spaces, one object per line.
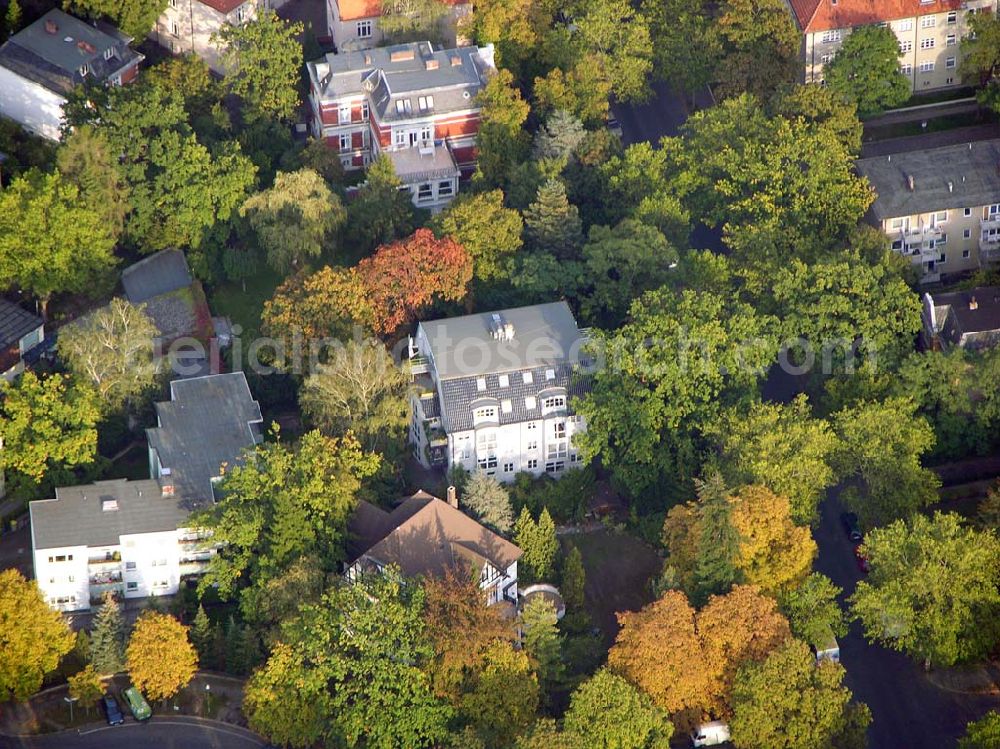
{"x":825,"y":15}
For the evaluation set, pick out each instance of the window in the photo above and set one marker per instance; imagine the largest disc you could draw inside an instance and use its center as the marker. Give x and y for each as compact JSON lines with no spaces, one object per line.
{"x":532,"y":425}
{"x":131,"y":586}
{"x":967,"y":212}
{"x":926,"y":67}
{"x":574,"y":458}
{"x":446,"y":189}
{"x":951,"y":40}
{"x":109,"y":53}
{"x":897,"y":244}
{"x":480,"y":384}
{"x":508,"y":467}
{"x":965,"y":254}
{"x":364,"y":110}
{"x":906,"y":25}
{"x":906,"y":46}
{"x":896,"y":223}
{"x":831,"y":36}
{"x":364,"y":29}
{"x":531,"y":404}
{"x":928,"y":22}
{"x":161,"y":583}
{"x":943,"y":259}
{"x":425,"y":103}
{"x":173,"y":29}
{"x":556,"y":449}
{"x":927,"y":43}
{"x":550,"y":374}
{"x":485,"y":413}
{"x":399,"y":137}
{"x":130,"y":565}
{"x":486,"y":440}
{"x":533,"y":463}
{"x":527,"y":377}
{"x":241,"y":13}
{"x":71,"y":578}
{"x":559,"y":430}
{"x":966,"y":233}
{"x":952,"y":18}
{"x":825,"y":59}
{"x":939,"y":218}
{"x":949,"y":63}
{"x":344,"y":115}
{"x":906,"y":69}
{"x":554,"y":466}
{"x":557,"y":402}
{"x":506,"y":406}
{"x":942,"y":241}
{"x":403,"y":106}
{"x":532,"y":445}
{"x":425,"y":192}
{"x":504,"y":380}
{"x":993,"y":210}
{"x":345,"y":141}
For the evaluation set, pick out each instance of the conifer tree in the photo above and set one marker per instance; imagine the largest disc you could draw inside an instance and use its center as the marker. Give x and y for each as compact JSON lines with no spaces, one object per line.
{"x":552,"y":223}
{"x":202,"y":635}
{"x":574,"y":579}
{"x":12,"y":21}
{"x":107,"y":639}
{"x":542,"y":641}
{"x":538,"y":542}
{"x":715,"y":567}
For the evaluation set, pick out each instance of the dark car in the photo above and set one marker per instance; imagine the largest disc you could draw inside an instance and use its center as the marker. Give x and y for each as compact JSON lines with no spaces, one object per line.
{"x":112,"y":711}
{"x":853,"y":530}
{"x":862,"y":559}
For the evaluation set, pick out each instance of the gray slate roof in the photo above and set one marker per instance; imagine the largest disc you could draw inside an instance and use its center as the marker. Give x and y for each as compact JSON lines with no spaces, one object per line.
{"x":955,"y":319}
{"x":54,"y":59}
{"x":386,"y":80}
{"x":76,"y":516}
{"x":15,"y":323}
{"x":157,"y":274}
{"x":970,"y":168}
{"x":208,"y":422}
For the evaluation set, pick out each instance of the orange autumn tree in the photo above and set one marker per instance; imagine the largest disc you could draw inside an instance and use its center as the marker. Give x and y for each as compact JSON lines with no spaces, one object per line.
{"x":686,"y":660}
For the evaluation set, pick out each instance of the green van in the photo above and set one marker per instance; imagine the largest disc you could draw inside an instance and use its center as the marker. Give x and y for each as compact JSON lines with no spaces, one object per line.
{"x":137,"y":704}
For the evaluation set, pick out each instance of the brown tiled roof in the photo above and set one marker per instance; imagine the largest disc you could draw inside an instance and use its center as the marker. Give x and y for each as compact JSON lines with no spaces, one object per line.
{"x":425,"y":536}
{"x":352,"y":10}
{"x":824,"y":15}
{"x":223,"y":6}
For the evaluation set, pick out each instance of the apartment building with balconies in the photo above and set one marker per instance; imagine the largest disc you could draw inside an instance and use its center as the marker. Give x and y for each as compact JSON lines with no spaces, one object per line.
{"x":409,"y":101}
{"x":494,"y":391}
{"x":929,"y":32}
{"x":133,"y":538}
{"x":940,"y":207}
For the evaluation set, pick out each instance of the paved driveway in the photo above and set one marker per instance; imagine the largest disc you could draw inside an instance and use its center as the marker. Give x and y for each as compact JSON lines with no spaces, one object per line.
{"x":158,"y":733}
{"x":908,"y":710}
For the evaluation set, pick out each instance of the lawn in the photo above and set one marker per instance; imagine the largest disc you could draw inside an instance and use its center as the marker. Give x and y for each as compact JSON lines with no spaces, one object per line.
{"x":619,"y":568}
{"x":244,"y":307}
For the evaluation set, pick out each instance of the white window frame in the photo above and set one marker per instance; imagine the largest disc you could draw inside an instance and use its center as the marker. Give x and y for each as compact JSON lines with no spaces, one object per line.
{"x":952,"y":18}
{"x":950,"y":62}
{"x":364,"y":29}
{"x":905,"y":46}
{"x":927,"y":66}
{"x":928,"y":22}
{"x":905,"y":25}
{"x":345,"y":141}
{"x":906,"y":68}
{"x":928,"y":42}
{"x":829,"y":37}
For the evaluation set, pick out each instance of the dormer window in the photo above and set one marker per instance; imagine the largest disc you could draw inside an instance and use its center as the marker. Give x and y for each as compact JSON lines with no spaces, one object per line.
{"x":109,"y":53}
{"x":84,"y":69}
{"x":489,"y":413}
{"x":403,"y":106}
{"x":426,"y":103}
{"x":528,"y":377}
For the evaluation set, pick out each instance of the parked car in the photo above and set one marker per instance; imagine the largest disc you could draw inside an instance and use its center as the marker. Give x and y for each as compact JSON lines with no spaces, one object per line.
{"x":710,"y":734}
{"x":614,"y":126}
{"x":111,"y":710}
{"x":826,"y":646}
{"x":862,"y":559}
{"x":851,"y":527}
{"x":137,"y":704}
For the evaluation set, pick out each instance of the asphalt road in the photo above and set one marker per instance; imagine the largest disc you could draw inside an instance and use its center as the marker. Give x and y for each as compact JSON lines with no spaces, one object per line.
{"x":158,"y":733}
{"x":662,"y":115}
{"x":907,"y":709}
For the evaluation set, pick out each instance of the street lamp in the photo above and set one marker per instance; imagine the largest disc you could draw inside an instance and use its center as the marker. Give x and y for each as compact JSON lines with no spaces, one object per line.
{"x":208,"y":699}
{"x":70,"y":700}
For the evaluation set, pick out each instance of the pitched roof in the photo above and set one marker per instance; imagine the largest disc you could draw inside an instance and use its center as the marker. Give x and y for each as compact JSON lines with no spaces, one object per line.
{"x":161,"y":273}
{"x":945,"y":178}
{"x":208,"y":422}
{"x":825,"y":15}
{"x":53,"y":49}
{"x":352,"y":10}
{"x":77,"y":516}
{"x":223,"y":6}
{"x":426,"y":536}
{"x":956,"y":317}
{"x":15,"y":323}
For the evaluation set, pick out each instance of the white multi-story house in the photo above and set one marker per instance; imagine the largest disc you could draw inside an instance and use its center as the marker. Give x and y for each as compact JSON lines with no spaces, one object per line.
{"x":940,"y":207}
{"x":132,"y":537}
{"x":495,"y":391}
{"x":929,"y":32}
{"x":424,"y":536}
{"x":357,"y":24}
{"x":414,"y":103}
{"x":41,"y":64}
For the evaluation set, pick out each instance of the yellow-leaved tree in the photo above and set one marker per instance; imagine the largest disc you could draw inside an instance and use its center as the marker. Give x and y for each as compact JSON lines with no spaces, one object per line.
{"x":34,"y":637}
{"x":160,"y":658}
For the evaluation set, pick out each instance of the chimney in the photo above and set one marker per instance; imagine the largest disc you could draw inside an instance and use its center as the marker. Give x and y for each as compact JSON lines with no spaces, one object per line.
{"x":166,"y":482}
{"x":431,"y":65}
{"x":453,"y":497}
{"x":400,"y":55}
{"x":51,"y":27}
{"x":368,"y":59}
{"x":973,"y":304}
{"x":456,"y":61}
{"x":951,"y":186}
{"x":911,"y":183}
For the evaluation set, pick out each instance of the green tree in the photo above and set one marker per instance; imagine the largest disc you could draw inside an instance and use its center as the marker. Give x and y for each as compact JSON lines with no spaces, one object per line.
{"x":134,"y":17}
{"x":239,"y":264}
{"x":931,"y":591}
{"x":552,"y":223}
{"x":760,"y":47}
{"x":866,"y":70}
{"x":542,"y":641}
{"x":981,"y":49}
{"x":782,"y":447}
{"x":284,"y":504}
{"x":295,"y":219}
{"x":360,"y":390}
{"x":983,"y":733}
{"x":488,"y":231}
{"x":50,"y":240}
{"x":160,"y":658}
{"x":202,"y":635}
{"x":822,"y":109}
{"x":812,"y":609}
{"x":286,"y":700}
{"x":607,"y":712}
{"x":319,"y":157}
{"x":574,"y":579}
{"x":791,"y":702}
{"x":622,"y":263}
{"x":84,"y":159}
{"x":113,"y":350}
{"x":881,"y":443}
{"x":107,"y":638}
{"x":716,"y":563}
{"x":559,"y":137}
{"x":685,"y":47}
{"x":413,"y":20}
{"x":35,"y":637}
{"x":380,"y":212}
{"x":86,"y":686}
{"x":618,"y":36}
{"x":502,"y":141}
{"x":503,"y":700}
{"x":263,"y":60}
{"x":582,"y":90}
{"x":47,"y":425}
{"x":538,"y":541}
{"x":489,"y":502}
{"x":12,"y":18}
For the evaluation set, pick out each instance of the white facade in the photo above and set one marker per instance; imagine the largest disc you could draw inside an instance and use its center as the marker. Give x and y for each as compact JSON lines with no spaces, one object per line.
{"x":30,"y":104}
{"x":187,"y":26}
{"x":354,"y":24}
